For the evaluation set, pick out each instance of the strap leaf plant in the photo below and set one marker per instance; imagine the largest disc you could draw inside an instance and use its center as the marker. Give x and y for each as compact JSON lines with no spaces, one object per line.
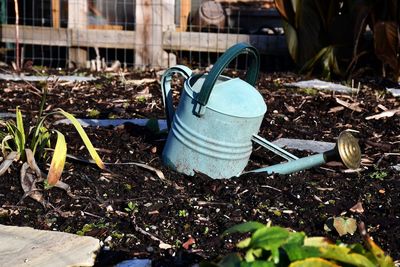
{"x":31,"y":146}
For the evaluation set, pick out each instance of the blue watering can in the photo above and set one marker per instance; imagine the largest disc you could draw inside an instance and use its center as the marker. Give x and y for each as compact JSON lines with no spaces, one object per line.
{"x":218,"y":118}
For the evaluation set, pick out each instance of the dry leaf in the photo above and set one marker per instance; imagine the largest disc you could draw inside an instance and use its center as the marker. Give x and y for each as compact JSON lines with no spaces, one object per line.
{"x":140,"y":82}
{"x":164,"y":246}
{"x":345,"y":225}
{"x":352,"y":106}
{"x":28,"y":184}
{"x":385,"y":114}
{"x":8,"y":161}
{"x":336,"y":109}
{"x":188,"y":243}
{"x":290,"y":108}
{"x":357,"y":208}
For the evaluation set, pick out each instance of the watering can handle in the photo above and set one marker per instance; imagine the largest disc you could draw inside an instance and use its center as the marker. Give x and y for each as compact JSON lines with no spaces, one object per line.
{"x":221,"y":64}
{"x":166,"y":89}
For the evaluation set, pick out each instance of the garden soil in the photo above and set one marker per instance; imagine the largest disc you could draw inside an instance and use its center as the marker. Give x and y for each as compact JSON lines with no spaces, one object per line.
{"x":177,"y":220}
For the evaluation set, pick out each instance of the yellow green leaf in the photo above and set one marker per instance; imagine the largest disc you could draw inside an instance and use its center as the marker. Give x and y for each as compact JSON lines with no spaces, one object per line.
{"x":20,"y":127}
{"x":313,"y":262}
{"x":382,"y":259}
{"x":58,"y":160}
{"x":85,"y":138}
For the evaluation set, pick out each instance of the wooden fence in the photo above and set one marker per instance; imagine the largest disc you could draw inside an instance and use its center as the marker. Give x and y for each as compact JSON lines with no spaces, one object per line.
{"x":155,"y":39}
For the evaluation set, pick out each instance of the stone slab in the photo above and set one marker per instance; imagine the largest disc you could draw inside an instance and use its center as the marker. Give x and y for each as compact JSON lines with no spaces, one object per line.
{"x":304,"y":145}
{"x":71,"y":78}
{"x":25,"y":246}
{"x":322,"y":85}
{"x":162,"y":124}
{"x":394,"y":91}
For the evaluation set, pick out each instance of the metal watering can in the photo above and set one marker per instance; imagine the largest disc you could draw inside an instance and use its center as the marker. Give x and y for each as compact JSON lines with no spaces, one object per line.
{"x":218,"y":118}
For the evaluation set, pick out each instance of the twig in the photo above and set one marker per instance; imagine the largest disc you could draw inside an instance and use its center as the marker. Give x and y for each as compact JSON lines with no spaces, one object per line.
{"x":91,"y":214}
{"x":142,"y":231}
{"x":271,"y":187}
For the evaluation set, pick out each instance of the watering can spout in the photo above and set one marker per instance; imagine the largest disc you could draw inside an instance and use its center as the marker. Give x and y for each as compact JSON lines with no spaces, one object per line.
{"x":346,"y":150}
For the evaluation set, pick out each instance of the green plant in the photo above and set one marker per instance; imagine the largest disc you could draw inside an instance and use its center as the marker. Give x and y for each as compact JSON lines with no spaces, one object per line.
{"x":183,"y":213}
{"x":93,"y":113}
{"x":31,"y":146}
{"x":378,"y":174}
{"x":329,"y":37}
{"x":132,"y":207}
{"x":276,"y":246}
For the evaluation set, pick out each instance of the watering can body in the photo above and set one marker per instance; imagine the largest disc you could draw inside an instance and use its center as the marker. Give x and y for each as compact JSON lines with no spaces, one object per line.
{"x":218,"y":118}
{"x":211,"y":129}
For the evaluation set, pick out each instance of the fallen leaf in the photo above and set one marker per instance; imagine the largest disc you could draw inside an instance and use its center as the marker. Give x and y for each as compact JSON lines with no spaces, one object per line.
{"x":188,"y":243}
{"x":357,"y":208}
{"x":140,"y":82}
{"x":345,"y":225}
{"x":336,"y":109}
{"x":290,"y":108}
{"x":8,"y":161}
{"x":28,"y":184}
{"x":385,"y":114}
{"x":353,"y":106}
{"x":382,"y":191}
{"x":164,"y":246}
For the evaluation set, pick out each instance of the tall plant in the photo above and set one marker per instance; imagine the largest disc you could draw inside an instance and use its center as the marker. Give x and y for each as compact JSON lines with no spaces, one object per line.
{"x":329,"y":37}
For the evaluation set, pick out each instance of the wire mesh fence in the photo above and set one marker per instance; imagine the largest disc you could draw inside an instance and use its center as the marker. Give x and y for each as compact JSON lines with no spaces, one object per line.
{"x":136,"y":33}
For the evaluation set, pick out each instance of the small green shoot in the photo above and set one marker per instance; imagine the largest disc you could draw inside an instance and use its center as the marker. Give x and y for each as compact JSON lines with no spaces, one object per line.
{"x":183,"y":213}
{"x":93,"y":113}
{"x":132,"y":208}
{"x":378,"y":174}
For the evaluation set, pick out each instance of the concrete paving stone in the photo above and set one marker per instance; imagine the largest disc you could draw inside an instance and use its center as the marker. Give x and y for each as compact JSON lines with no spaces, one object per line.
{"x":304,"y":145}
{"x":25,"y":246}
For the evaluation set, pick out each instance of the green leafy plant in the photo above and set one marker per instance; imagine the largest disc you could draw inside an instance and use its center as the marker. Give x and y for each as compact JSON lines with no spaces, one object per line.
{"x":183,"y":213}
{"x":329,"y":37}
{"x":378,"y":174}
{"x":132,"y":207}
{"x":30,"y":146}
{"x":276,"y":246}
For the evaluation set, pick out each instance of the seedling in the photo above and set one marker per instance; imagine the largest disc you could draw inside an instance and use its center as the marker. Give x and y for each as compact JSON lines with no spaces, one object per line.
{"x":132,"y":208}
{"x":183,"y":213}
{"x":379,"y":174}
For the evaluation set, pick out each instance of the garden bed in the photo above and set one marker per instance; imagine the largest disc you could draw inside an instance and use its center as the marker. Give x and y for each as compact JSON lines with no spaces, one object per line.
{"x":137,"y":213}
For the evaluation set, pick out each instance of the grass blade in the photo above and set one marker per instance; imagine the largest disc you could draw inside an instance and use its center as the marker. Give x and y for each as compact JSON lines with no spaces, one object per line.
{"x":58,"y":160}
{"x":20,"y":128}
{"x":85,"y":138}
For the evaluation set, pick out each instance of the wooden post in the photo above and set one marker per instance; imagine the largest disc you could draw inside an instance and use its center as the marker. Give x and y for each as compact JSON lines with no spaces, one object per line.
{"x":55,"y":11}
{"x":153,"y":17}
{"x":185,"y":8}
{"x":77,"y":19}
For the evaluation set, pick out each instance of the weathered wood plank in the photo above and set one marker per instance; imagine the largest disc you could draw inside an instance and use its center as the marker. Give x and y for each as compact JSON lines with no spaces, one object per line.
{"x":219,"y":42}
{"x":68,"y":37}
{"x":77,"y":19}
{"x":172,"y":41}
{"x":35,"y":35}
{"x":103,"y":38}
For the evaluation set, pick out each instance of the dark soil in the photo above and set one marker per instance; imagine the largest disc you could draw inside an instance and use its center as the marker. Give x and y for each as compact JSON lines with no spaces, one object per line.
{"x":177,"y":208}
